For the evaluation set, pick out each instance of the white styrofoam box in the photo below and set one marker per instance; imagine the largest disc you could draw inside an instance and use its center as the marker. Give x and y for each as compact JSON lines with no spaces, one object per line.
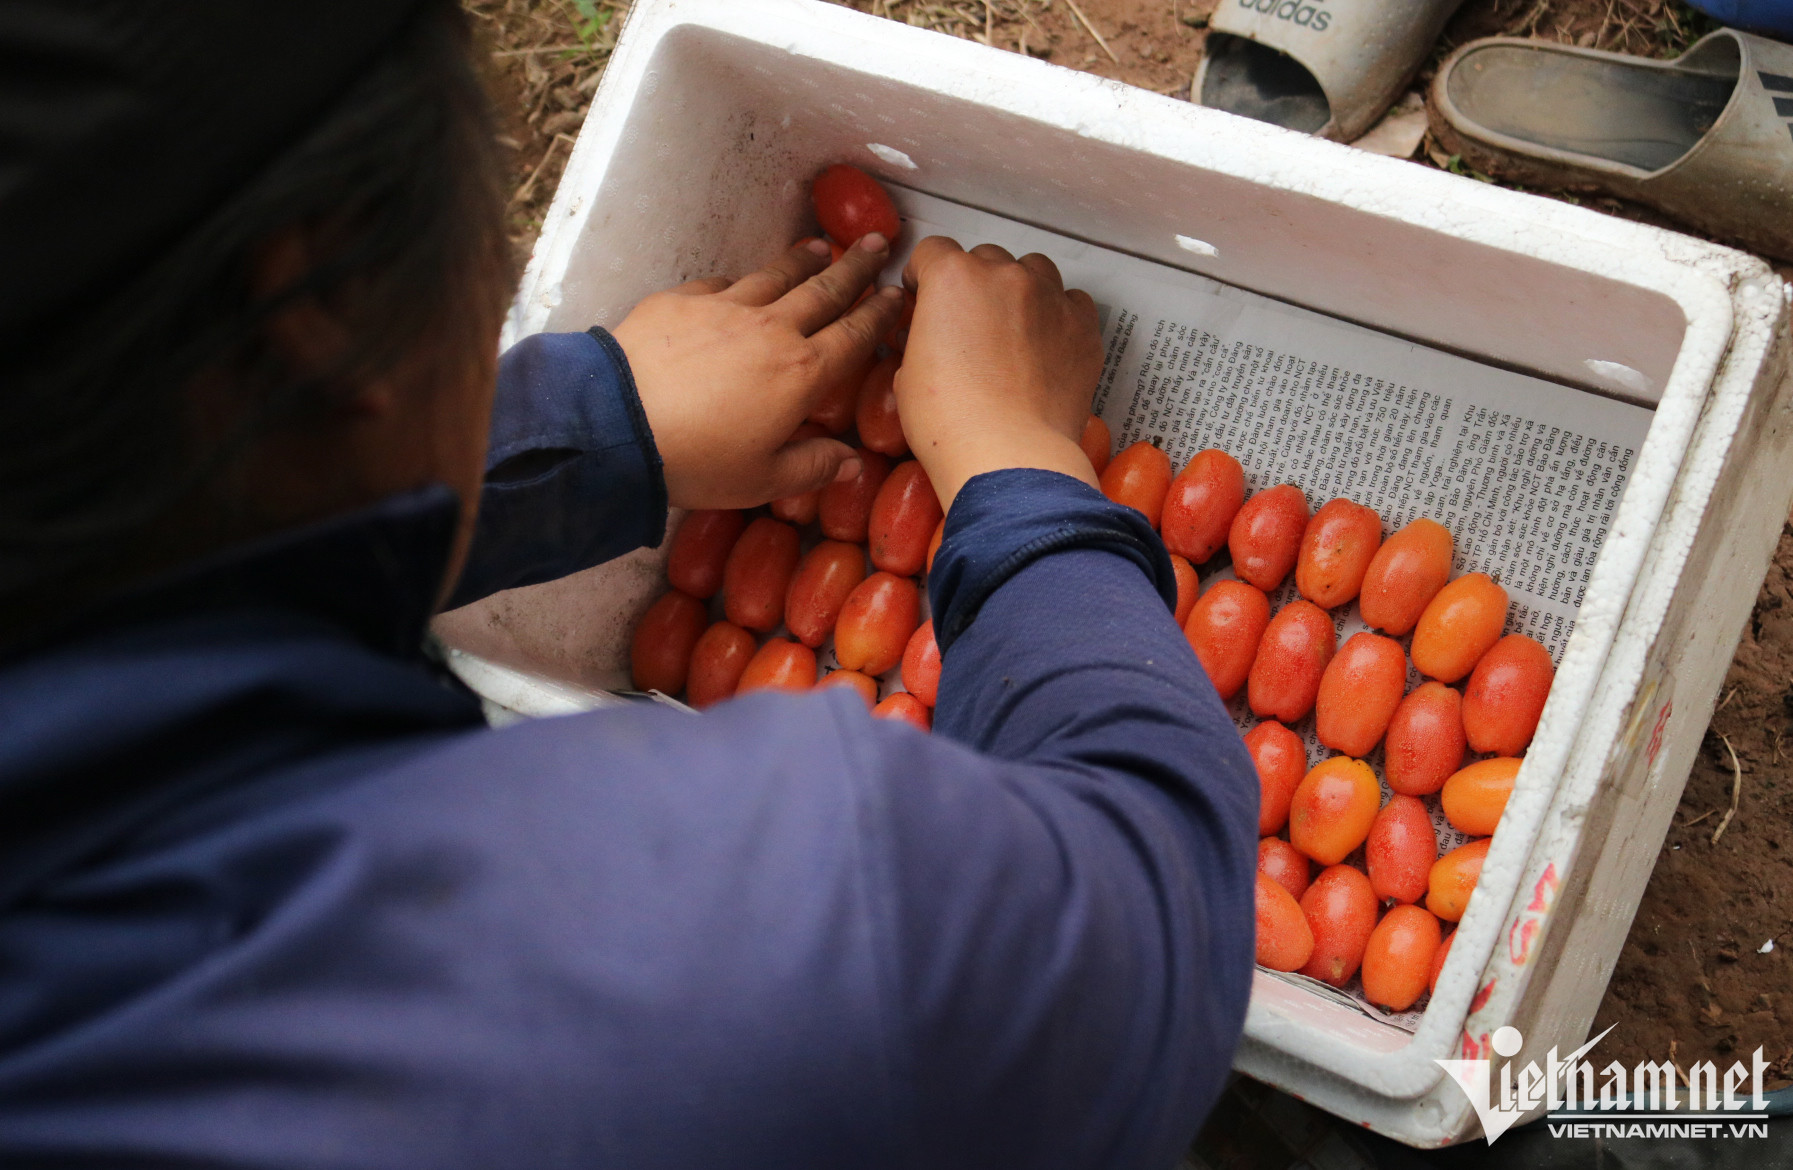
{"x":696,"y":158}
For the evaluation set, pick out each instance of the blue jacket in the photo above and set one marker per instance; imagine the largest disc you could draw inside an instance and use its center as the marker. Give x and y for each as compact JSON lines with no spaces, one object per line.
{"x":271,"y":894}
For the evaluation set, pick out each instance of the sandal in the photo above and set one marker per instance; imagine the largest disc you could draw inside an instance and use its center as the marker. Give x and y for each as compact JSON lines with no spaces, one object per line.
{"x":1706,"y":138}
{"x":1325,"y":67}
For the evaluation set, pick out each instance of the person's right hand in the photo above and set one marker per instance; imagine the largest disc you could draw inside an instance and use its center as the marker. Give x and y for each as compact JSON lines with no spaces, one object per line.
{"x":1000,"y":366}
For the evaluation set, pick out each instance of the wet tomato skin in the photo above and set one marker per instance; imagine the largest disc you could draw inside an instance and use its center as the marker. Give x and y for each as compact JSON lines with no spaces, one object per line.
{"x":1138,"y":477}
{"x":1284,"y":864}
{"x":863,"y":684}
{"x":1340,"y":908}
{"x":904,"y":516}
{"x":876,"y":622}
{"x":1398,"y":958}
{"x":717,"y":661}
{"x":1281,"y":762}
{"x":1438,"y":958}
{"x":1336,"y":548}
{"x":758,"y":575}
{"x":1285,"y":941}
{"x":700,"y":550}
{"x":1405,"y":575}
{"x":1292,"y":657}
{"x":1506,"y":694}
{"x":879,"y":426}
{"x":1097,"y":443}
{"x":1265,"y":536}
{"x":660,"y":656}
{"x":1333,"y":809}
{"x":824,"y":578}
{"x":801,"y":510}
{"x":1189,"y":586}
{"x":1359,"y":693}
{"x":1400,"y":849}
{"x":850,"y":203}
{"x":1453,"y":879}
{"x":846,"y":509}
{"x":1475,"y":796}
{"x":921,"y":664}
{"x":780,"y":665}
{"x":1458,"y":626}
{"x":1425,"y":741}
{"x":1200,"y":506}
{"x":1225,"y":627}
{"x":905,"y":706}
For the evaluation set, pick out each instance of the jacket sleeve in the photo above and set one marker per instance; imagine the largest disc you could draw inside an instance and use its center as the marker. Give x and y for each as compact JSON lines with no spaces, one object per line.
{"x":573,"y":478}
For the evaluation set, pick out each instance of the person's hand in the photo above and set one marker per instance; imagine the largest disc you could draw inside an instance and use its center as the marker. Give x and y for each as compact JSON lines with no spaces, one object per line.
{"x":1000,"y":367}
{"x":727,"y":371}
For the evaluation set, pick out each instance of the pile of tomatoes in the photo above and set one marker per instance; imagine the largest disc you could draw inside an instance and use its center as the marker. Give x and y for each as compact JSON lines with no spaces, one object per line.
{"x":840,"y":563}
{"x":1289,"y":665}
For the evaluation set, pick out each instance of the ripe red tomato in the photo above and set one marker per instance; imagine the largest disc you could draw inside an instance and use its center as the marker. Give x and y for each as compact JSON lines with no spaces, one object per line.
{"x":1405,"y":575}
{"x":904,"y":515}
{"x":1138,"y":477}
{"x":1425,"y":743}
{"x":1201,"y":504}
{"x":864,"y":684}
{"x":1398,"y":957}
{"x":1336,"y":548}
{"x":758,"y":575}
{"x":1333,"y":809}
{"x":921,"y":664}
{"x":1458,"y":626}
{"x":700,"y":549}
{"x":716,"y":664}
{"x":827,"y":574}
{"x":934,"y":542}
{"x":1284,"y":864}
{"x":905,"y":706}
{"x":1285,"y":941}
{"x":1266,"y":536}
{"x":876,"y":623}
{"x":1281,"y":761}
{"x":1453,"y":879}
{"x":1506,"y":695}
{"x":1097,"y":444}
{"x":847,"y":505}
{"x":1359,"y":693}
{"x":835,"y":409}
{"x":1292,"y":657}
{"x":780,"y":665}
{"x":880,"y":427}
{"x":1400,"y":849}
{"x":660,"y":656}
{"x":1225,"y":627}
{"x":850,"y":204}
{"x":1341,"y":910}
{"x":1189,"y":586}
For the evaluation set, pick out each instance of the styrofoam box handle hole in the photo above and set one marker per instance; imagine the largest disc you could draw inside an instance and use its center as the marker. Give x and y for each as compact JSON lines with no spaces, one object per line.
{"x":1199,"y":247}
{"x":892,"y":155}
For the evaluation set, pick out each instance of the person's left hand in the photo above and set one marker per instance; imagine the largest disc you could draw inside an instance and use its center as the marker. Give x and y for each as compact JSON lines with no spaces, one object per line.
{"x":727,"y":370}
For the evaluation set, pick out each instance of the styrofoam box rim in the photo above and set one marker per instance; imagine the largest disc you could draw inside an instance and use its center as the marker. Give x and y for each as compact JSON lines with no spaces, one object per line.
{"x":1600,"y":669}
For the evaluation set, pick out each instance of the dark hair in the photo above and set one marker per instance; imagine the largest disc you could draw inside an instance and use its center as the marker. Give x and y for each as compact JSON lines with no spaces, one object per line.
{"x":398,"y":190}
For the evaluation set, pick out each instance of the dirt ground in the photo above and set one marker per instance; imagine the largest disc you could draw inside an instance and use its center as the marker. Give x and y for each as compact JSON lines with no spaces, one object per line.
{"x":1693,"y":981}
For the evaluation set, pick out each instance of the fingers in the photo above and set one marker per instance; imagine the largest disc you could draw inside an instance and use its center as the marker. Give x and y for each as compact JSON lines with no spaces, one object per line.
{"x":807,"y":464}
{"x":825,"y":296}
{"x":993,"y":252}
{"x":927,"y":253}
{"x":849,"y":342}
{"x":797,"y":265}
{"x":1043,"y":268}
{"x":1084,"y":306}
{"x":702,"y":286}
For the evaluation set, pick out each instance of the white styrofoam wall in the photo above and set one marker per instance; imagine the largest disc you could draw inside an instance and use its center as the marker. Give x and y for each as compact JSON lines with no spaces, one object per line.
{"x":695,"y":159}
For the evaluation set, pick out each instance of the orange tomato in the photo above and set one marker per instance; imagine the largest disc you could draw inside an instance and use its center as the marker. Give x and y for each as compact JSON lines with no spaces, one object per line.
{"x":1138,"y":477}
{"x":904,"y":516}
{"x":846,"y":508}
{"x":876,"y":622}
{"x":1405,"y":575}
{"x":1189,"y":586}
{"x":827,"y":573}
{"x":660,"y":655}
{"x":1340,"y":909}
{"x":1285,"y":941}
{"x":1284,"y":864}
{"x":1475,"y":796}
{"x":1336,"y":548}
{"x":1359,"y":693}
{"x":1400,"y":849}
{"x":879,"y":426}
{"x":758,"y":575}
{"x":1458,"y":627}
{"x":864,"y":684}
{"x":1333,"y":808}
{"x":1281,"y":760}
{"x":1097,"y":443}
{"x":1398,"y":957}
{"x":1224,"y":628}
{"x":934,"y":543}
{"x":700,"y":549}
{"x":1201,"y":504}
{"x":1506,"y":695}
{"x":1266,"y":536}
{"x":1453,"y":880}
{"x":1292,"y":658}
{"x":779,"y":665}
{"x":850,"y":203}
{"x":716,"y":664}
{"x":1444,"y":950}
{"x":921,"y":664}
{"x":1425,"y":743}
{"x":903,"y":705}
{"x":801,"y":510}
